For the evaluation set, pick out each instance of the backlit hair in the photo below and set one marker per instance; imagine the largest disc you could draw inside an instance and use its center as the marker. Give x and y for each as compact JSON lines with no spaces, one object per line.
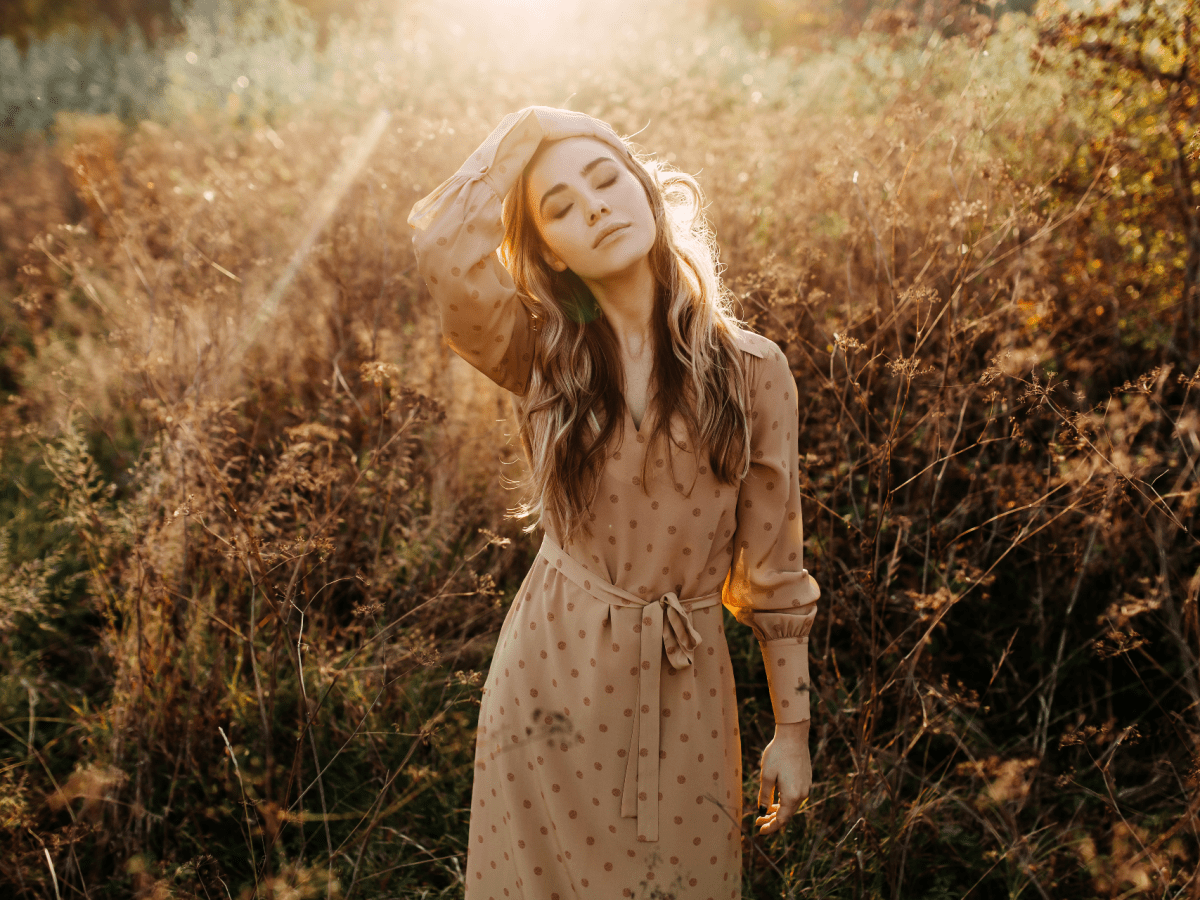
{"x":574,"y":405}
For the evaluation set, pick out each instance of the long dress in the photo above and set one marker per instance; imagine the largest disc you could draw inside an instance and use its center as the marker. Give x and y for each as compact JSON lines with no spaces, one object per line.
{"x":608,"y":759}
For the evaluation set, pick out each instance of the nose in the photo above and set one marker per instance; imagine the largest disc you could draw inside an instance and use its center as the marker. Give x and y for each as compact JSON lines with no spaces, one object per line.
{"x":596,"y":208}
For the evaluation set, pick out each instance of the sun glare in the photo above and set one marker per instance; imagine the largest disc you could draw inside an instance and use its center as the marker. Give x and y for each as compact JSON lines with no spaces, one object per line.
{"x":539,"y":8}
{"x":512,"y":26}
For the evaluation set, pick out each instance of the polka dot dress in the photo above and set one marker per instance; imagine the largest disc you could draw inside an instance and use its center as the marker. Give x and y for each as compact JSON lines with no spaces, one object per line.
{"x":608,"y":759}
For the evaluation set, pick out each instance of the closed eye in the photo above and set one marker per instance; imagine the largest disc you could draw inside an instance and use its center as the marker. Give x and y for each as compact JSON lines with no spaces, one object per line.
{"x":566,"y":209}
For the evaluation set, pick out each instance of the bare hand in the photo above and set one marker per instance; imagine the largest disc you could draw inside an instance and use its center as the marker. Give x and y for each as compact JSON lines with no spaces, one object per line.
{"x":786,"y":770}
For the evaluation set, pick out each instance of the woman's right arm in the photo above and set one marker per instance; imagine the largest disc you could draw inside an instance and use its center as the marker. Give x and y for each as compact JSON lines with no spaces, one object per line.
{"x":458,"y":230}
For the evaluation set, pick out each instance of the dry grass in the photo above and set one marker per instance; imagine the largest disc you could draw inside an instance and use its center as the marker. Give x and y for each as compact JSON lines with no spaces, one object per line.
{"x":255,"y":558}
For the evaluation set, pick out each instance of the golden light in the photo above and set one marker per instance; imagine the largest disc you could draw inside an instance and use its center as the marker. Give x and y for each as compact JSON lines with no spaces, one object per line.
{"x":518,"y":33}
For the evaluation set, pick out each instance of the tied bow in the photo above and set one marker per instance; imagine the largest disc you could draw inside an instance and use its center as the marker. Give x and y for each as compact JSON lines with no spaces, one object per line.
{"x":681,"y":639}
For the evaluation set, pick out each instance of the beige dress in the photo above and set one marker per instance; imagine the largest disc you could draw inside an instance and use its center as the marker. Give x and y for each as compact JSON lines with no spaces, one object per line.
{"x":608,"y":761}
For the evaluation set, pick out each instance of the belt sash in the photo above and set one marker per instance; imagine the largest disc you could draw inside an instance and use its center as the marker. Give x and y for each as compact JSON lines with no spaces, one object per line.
{"x":665,"y":626}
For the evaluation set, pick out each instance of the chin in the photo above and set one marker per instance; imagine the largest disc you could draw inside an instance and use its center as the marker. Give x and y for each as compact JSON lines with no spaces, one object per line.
{"x":634,"y":256}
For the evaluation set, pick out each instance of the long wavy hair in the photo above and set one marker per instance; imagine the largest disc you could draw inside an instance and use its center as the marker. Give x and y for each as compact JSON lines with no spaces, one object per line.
{"x":574,"y":404}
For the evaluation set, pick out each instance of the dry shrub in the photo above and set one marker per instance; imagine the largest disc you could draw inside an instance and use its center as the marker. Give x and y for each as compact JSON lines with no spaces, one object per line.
{"x":294,"y":485}
{"x":89,"y":147}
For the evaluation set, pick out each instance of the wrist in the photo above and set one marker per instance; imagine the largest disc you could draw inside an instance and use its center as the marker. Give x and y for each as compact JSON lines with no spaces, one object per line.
{"x":793,"y":730}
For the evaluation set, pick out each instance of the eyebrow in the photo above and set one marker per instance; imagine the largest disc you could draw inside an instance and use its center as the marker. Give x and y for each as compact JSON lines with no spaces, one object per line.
{"x":562,"y":187}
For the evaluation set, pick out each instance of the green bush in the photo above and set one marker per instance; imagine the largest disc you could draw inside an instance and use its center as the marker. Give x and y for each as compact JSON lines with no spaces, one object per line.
{"x":249,"y":61}
{"x":243,"y":61}
{"x":77,"y":72}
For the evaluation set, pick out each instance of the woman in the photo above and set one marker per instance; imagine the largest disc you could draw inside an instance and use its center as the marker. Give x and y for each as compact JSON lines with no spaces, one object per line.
{"x":662,"y":440}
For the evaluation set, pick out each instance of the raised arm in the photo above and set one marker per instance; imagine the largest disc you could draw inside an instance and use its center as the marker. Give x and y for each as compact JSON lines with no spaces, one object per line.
{"x":457,"y":230}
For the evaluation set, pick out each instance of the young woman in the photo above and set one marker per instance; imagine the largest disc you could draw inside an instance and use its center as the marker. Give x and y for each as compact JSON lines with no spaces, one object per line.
{"x":662,"y":443}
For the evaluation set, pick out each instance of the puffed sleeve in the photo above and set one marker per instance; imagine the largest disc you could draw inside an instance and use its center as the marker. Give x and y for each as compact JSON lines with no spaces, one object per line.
{"x":768,"y":587}
{"x":457,"y":230}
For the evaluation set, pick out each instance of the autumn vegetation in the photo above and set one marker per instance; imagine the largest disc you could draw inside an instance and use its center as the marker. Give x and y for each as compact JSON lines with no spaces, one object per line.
{"x":253,"y":546}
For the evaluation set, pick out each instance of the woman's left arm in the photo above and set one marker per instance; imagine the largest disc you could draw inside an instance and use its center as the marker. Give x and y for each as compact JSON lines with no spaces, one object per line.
{"x":768,"y":588}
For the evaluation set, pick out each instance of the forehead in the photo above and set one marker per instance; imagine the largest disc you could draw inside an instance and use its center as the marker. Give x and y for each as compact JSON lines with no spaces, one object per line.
{"x":563,"y":160}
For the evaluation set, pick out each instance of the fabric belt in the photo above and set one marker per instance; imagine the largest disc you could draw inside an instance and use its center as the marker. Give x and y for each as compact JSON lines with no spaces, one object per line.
{"x":664,"y":624}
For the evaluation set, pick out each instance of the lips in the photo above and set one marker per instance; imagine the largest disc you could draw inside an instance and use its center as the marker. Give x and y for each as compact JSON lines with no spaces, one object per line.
{"x":607,"y":231}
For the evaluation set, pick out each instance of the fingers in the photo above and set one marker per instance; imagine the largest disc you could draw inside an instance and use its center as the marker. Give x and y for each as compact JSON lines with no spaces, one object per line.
{"x":774,"y":817}
{"x":769,"y":823}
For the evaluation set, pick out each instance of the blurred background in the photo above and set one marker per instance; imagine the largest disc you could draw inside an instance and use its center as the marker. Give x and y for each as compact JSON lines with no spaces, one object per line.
{"x":253,"y":544}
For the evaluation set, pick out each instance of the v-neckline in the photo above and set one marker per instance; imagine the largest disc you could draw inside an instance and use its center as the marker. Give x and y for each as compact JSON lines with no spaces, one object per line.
{"x":637,"y":429}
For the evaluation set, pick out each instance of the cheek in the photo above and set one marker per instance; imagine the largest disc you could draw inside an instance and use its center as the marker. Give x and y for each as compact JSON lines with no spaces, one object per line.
{"x":645,"y":213}
{"x":554,"y":241}
{"x":645,"y":210}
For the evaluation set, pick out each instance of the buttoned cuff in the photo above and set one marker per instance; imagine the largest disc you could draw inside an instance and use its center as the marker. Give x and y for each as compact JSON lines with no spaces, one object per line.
{"x":506,"y":152}
{"x":786,"y":663}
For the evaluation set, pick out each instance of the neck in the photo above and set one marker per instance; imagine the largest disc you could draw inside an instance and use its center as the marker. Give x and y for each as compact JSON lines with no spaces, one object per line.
{"x":627,"y":299}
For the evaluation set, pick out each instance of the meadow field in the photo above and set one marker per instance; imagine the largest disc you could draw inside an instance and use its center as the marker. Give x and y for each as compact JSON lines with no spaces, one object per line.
{"x":254,"y":551}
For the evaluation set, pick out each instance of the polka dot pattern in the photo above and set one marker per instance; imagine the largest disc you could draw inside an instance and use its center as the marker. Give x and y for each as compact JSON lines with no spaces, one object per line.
{"x":569,"y":734}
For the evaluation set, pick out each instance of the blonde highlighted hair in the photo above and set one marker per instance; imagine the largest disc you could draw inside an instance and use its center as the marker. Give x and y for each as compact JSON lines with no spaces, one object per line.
{"x":574,"y":404}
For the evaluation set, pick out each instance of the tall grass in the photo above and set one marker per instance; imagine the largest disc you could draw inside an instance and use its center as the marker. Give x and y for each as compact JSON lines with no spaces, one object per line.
{"x":254,"y":556}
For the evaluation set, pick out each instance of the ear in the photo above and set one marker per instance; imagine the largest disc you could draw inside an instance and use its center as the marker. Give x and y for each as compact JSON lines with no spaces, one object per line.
{"x":554,"y":262}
